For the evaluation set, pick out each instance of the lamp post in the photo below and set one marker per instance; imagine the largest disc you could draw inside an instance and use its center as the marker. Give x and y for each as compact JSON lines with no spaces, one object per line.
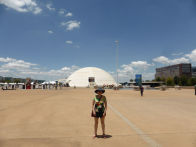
{"x":117,"y":58}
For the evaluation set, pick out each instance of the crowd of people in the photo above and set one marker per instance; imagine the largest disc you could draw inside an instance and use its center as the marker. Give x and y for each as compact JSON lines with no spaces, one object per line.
{"x":44,"y":86}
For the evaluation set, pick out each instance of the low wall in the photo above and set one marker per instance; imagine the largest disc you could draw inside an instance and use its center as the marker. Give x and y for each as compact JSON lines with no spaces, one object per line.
{"x":183,"y":87}
{"x":188,"y":87}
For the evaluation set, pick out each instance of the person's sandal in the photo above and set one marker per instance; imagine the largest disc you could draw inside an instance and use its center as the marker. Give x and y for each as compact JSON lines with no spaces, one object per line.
{"x":104,"y":136}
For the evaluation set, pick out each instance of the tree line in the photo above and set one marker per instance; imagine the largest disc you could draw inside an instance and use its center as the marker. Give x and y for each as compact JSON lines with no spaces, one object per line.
{"x":181,"y":81}
{"x":14,"y":80}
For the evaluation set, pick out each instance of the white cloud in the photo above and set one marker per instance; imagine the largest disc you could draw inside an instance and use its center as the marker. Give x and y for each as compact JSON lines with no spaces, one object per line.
{"x":62,"y":11}
{"x":50,"y":32}
{"x":69,"y":42}
{"x":70,"y":25}
{"x":17,"y":64}
{"x":69,"y":14}
{"x":179,"y":60}
{"x":22,"y":5}
{"x":167,"y":61}
{"x":37,"y":10}
{"x":65,"y":68}
{"x":127,"y":68}
{"x":177,"y":54}
{"x":148,"y":76}
{"x":72,"y":44}
{"x":192,"y":55}
{"x":19,"y":68}
{"x":53,"y":74}
{"x":7,"y":59}
{"x":3,"y":71}
{"x":186,"y":58}
{"x":161,"y":59}
{"x":128,"y":71}
{"x":125,"y":73}
{"x":49,"y":6}
{"x":140,"y":64}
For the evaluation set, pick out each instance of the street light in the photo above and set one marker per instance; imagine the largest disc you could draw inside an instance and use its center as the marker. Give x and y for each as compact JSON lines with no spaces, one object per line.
{"x":117,"y":58}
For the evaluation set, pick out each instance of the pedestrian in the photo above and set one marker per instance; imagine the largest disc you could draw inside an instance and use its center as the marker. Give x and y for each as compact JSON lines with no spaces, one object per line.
{"x":195,"y":89}
{"x":99,"y":108}
{"x":141,"y":90}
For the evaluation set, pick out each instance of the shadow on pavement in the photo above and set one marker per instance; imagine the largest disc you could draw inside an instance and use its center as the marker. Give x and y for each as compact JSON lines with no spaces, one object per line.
{"x":106,"y":136}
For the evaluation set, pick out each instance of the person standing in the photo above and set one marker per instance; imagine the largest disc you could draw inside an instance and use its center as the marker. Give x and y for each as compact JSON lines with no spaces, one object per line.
{"x":141,"y":90}
{"x":99,"y":107}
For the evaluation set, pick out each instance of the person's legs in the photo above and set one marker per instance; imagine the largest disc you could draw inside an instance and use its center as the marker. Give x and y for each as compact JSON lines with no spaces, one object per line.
{"x":103,"y":124}
{"x":96,"y":125}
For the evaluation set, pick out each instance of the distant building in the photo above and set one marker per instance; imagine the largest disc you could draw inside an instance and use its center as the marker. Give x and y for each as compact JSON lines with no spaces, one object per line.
{"x":174,"y":70}
{"x":194,"y":72}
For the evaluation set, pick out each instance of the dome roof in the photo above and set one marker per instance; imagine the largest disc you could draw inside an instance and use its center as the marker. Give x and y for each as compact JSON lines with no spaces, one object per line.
{"x":90,"y":76}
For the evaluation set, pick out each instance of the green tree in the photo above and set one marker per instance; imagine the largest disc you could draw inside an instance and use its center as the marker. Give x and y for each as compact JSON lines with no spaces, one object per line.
{"x":163,"y":79}
{"x":8,"y":81}
{"x":193,"y":80}
{"x":184,"y":80}
{"x":180,"y":83}
{"x":189,"y":82}
{"x":16,"y":80}
{"x":131,"y":80}
{"x":176,"y":80}
{"x":158,"y":79}
{"x":170,"y":82}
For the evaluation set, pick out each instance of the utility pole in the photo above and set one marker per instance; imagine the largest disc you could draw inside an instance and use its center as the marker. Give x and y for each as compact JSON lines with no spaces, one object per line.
{"x":117,"y":60}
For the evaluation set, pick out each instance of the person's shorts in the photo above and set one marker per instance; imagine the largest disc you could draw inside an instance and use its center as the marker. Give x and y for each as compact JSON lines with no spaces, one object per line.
{"x":99,"y":114}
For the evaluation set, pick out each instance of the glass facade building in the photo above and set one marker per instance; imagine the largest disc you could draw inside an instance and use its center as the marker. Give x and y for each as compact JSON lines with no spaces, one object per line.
{"x":174,"y":70}
{"x":194,"y":72}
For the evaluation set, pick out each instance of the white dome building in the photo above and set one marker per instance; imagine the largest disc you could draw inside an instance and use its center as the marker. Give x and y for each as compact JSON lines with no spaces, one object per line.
{"x":90,"y":76}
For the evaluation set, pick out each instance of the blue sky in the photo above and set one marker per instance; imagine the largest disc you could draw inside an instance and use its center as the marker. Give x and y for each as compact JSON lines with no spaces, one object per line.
{"x":50,"y":39}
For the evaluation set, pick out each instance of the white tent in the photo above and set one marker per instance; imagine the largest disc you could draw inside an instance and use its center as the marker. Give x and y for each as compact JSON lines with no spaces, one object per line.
{"x":52,"y":82}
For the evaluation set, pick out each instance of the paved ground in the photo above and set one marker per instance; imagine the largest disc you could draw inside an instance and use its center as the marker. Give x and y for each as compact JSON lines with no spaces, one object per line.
{"x":37,"y":118}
